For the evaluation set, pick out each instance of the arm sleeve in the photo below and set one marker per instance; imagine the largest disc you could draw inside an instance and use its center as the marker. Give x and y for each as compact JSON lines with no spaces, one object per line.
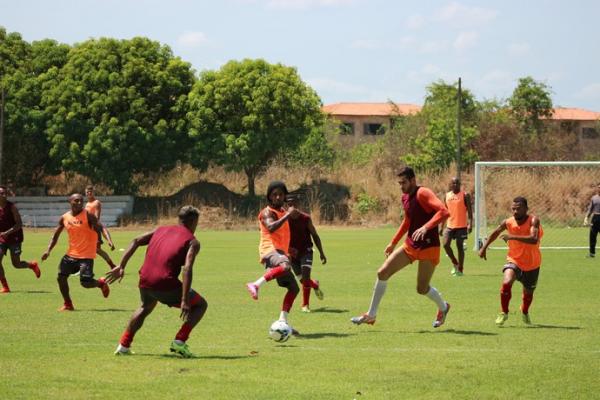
{"x":401,"y":231}
{"x":430,"y":203}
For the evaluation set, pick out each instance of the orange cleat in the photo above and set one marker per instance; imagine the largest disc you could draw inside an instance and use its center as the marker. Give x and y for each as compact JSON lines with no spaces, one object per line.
{"x":35,"y":268}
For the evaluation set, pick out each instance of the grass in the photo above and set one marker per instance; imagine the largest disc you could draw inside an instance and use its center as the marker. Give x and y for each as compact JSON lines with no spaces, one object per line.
{"x":52,"y":355}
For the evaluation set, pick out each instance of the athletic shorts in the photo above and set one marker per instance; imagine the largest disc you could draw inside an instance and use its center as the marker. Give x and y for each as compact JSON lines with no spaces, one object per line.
{"x":69,"y":266}
{"x":15,"y":249}
{"x":304,"y":261}
{"x":171,"y":298}
{"x":428,"y":254}
{"x":456,"y":233}
{"x":275,"y":258}
{"x":527,"y":278}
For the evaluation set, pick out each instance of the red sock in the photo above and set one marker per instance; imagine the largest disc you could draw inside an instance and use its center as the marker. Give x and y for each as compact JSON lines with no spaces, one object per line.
{"x":505,"y":295}
{"x":126,"y":339}
{"x":313,"y":284}
{"x":68,"y":302}
{"x":288,"y":300}
{"x":274,"y":273}
{"x":306,"y":287}
{"x":184,"y":332}
{"x":527,"y":299}
{"x":4,"y":283}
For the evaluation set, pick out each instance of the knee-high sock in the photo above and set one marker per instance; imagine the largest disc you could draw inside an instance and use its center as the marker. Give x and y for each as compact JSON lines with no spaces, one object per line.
{"x":527,"y":299}
{"x":378,"y":292}
{"x":274,"y":273}
{"x":505,"y":295}
{"x":288,"y":300}
{"x":4,"y":283}
{"x":436,"y":297}
{"x":306,"y":287}
{"x":126,"y":339}
{"x":184,"y":332}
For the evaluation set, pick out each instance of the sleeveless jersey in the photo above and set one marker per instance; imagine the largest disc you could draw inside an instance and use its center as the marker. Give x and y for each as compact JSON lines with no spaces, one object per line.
{"x":418,"y":216}
{"x":82,"y":238}
{"x":455,"y":202}
{"x":164,"y":258}
{"x":271,"y":241}
{"x":7,"y":221}
{"x":300,"y":238}
{"x":526,"y":256}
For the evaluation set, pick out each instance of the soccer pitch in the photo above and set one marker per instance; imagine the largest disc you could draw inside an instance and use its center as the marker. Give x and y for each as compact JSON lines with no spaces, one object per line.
{"x":45,"y":354}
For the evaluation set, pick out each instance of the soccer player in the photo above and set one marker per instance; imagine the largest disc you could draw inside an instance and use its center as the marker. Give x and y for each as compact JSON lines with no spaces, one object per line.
{"x":302,"y":235}
{"x":594,"y":223}
{"x":523,"y":259}
{"x":94,"y":206}
{"x":423,"y":212}
{"x":169,"y":248}
{"x":458,"y":225}
{"x":273,"y":247}
{"x":11,"y":238}
{"x":82,"y":228}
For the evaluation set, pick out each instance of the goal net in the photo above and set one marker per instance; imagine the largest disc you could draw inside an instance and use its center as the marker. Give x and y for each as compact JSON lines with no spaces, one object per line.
{"x":557,"y":192}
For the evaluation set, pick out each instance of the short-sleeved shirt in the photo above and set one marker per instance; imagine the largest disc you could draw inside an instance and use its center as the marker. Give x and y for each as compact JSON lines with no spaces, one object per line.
{"x":419,"y":214}
{"x":525,"y":255}
{"x":7,"y":221}
{"x":594,"y":207}
{"x":164,"y":258}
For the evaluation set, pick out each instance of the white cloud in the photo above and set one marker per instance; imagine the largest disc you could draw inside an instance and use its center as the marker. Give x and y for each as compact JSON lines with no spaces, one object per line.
{"x":304,"y":4}
{"x":415,"y":21}
{"x":465,"y":40}
{"x":461,"y":15}
{"x":589,"y":92}
{"x":519,"y":49}
{"x":192,"y":39}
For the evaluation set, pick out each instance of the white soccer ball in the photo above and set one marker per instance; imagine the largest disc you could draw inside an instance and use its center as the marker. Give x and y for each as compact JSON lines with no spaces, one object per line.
{"x":280,"y":331}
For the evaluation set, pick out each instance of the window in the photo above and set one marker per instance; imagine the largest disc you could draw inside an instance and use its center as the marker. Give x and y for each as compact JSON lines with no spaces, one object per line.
{"x":346,"y":128}
{"x":590,"y":133}
{"x":374,"y":129}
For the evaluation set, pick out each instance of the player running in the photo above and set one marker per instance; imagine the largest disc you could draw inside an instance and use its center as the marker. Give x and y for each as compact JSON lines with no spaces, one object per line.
{"x":423,"y":212}
{"x":274,"y":245}
{"x":302,"y":235}
{"x":458,"y":225}
{"x":523,"y":259}
{"x":169,"y":248}
{"x":81,"y":227}
{"x":94,"y":206}
{"x":11,"y":238}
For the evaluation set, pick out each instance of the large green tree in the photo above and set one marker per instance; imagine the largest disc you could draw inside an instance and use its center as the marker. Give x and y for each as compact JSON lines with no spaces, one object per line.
{"x":530,"y":103}
{"x":247,"y":113}
{"x":118,"y":109}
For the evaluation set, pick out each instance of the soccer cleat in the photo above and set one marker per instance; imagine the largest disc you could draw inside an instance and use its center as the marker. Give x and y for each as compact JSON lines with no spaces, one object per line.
{"x":253,"y":290}
{"x":5,"y":290}
{"x":318,"y":292}
{"x":123,"y":351}
{"x":440,"y":318}
{"x":526,"y":319}
{"x":501,"y":318}
{"x":104,"y":287}
{"x":454,"y":270}
{"x":35,"y":268}
{"x":182,"y":349}
{"x":363,"y":319}
{"x":591,"y":255}
{"x":459,"y":273}
{"x":295,"y":332}
{"x":305,"y":309}
{"x":67,"y":307}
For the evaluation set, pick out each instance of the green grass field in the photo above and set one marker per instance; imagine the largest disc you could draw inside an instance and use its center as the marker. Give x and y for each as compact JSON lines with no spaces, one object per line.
{"x":45,"y":354}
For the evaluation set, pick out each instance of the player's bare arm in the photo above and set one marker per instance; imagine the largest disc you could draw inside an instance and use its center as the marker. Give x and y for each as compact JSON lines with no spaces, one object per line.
{"x":533,"y":237}
{"x":57,"y":231}
{"x":501,"y":228}
{"x":469,"y":212}
{"x":270,"y":222}
{"x":187,"y":276}
{"x":443,"y":224}
{"x":317,"y":240}
{"x":119,"y":271}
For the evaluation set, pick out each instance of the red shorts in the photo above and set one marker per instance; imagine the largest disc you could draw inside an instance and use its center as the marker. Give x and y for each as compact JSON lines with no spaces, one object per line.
{"x":428,"y":254}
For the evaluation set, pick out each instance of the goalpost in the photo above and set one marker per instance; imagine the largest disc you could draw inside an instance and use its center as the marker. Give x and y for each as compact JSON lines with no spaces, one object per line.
{"x":558,"y":192}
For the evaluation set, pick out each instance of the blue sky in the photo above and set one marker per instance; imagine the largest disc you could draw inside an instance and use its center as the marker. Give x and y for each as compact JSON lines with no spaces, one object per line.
{"x":354,"y":50}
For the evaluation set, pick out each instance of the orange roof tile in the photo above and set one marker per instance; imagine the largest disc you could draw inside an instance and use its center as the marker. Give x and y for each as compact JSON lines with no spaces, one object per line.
{"x":370,"y":109}
{"x":574,"y":114}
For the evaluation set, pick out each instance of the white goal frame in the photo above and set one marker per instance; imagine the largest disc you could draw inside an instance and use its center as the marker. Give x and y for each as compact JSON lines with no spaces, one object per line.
{"x":477,"y":217}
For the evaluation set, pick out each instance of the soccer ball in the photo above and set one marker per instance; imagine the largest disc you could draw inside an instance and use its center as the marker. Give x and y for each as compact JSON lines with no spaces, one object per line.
{"x":280,"y":331}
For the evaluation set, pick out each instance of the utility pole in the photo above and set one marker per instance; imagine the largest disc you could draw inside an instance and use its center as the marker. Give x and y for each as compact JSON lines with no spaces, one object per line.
{"x":458,"y":130}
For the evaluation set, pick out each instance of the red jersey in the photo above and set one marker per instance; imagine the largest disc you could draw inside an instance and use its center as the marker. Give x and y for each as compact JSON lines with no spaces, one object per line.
{"x":165,"y":256}
{"x":300,"y":239}
{"x":419,"y":209}
{"x":7,"y":221}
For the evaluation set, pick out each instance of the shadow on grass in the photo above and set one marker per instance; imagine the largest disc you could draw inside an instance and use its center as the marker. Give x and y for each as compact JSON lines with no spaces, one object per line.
{"x":541,"y":326}
{"x":107,"y":310}
{"x":329,"y":310}
{"x":196,"y":357}
{"x":461,"y":332}
{"x":321,"y":335}
{"x":30,"y":291}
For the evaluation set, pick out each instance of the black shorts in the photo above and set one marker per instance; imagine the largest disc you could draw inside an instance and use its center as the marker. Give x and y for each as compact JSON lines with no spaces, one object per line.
{"x":456,"y":233}
{"x":527,"y":278}
{"x":304,"y":261}
{"x":276,"y":258}
{"x":69,"y":266}
{"x":15,"y":249}
{"x":171,"y":298}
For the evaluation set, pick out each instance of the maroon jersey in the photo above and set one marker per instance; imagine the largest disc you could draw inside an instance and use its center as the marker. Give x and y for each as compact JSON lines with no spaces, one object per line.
{"x":164,"y":258}
{"x":7,"y":221}
{"x":418,"y":216}
{"x":300,"y":239}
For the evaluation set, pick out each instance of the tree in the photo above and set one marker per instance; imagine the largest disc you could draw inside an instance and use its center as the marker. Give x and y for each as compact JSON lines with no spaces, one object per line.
{"x":530,"y":103}
{"x":247,"y":113}
{"x":118,"y":109}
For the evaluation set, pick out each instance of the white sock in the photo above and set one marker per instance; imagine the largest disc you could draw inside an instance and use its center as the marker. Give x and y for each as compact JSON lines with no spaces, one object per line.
{"x":122,"y":348}
{"x":260,"y":281}
{"x":436,"y":297}
{"x":378,"y":292}
{"x":179,"y":342}
{"x":283,"y":316}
